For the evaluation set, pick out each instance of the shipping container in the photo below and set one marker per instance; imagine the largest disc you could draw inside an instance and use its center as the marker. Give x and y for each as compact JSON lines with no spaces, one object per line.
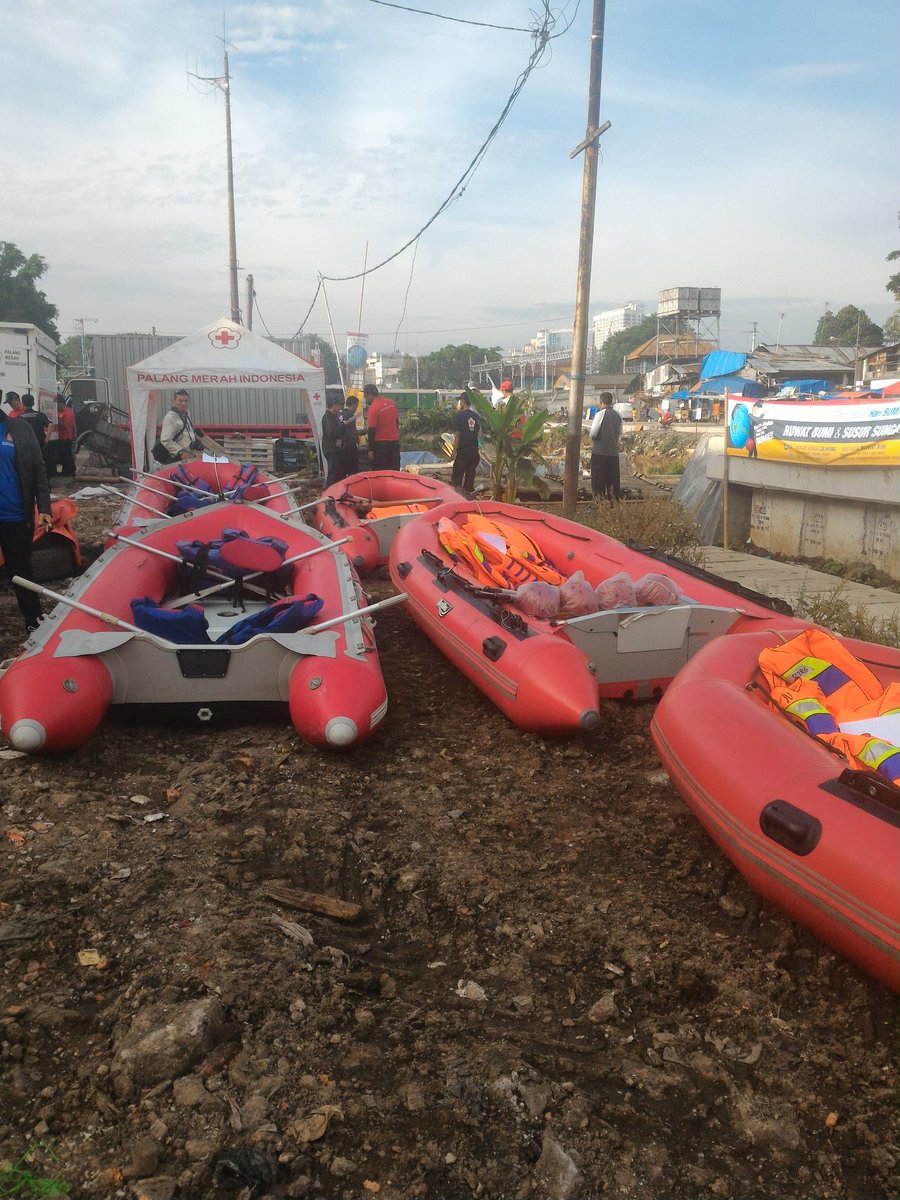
{"x":28,"y":364}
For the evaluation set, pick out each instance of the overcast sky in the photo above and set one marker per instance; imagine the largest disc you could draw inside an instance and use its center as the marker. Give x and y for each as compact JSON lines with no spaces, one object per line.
{"x":753,"y":147}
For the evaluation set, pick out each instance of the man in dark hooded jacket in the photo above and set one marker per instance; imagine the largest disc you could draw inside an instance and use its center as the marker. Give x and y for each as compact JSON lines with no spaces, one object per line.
{"x":23,"y":484}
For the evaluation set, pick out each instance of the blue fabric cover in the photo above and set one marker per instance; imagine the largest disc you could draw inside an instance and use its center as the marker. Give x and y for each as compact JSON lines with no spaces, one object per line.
{"x":722,"y":362}
{"x":808,"y":385}
{"x":185,"y":626}
{"x":286,"y":616}
{"x":736,"y":385}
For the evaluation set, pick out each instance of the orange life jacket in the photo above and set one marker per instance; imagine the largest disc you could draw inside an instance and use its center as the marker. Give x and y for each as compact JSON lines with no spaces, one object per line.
{"x":497,"y":554}
{"x":821,"y":686}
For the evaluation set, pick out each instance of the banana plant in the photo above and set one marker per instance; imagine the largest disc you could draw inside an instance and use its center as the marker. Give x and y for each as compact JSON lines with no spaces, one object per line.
{"x":516,"y":438}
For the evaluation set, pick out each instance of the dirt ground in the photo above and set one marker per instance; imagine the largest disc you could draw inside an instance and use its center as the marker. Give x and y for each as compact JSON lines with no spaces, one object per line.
{"x":556,"y":986}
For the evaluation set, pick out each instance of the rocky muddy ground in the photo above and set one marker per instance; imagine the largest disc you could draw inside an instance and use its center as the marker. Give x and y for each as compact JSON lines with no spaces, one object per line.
{"x":545,"y":981}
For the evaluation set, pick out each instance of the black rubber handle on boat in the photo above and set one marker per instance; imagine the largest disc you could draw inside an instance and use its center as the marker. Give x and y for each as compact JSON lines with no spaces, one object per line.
{"x":792,"y":827}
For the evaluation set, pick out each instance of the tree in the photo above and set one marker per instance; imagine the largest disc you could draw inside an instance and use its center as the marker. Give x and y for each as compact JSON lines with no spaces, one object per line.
{"x":849,"y":326}
{"x":893,"y":284}
{"x":69,"y":354}
{"x":448,"y":367}
{"x":20,"y":299}
{"x":515,"y":457}
{"x":328,"y":359}
{"x":892,"y":327}
{"x":617,"y":345}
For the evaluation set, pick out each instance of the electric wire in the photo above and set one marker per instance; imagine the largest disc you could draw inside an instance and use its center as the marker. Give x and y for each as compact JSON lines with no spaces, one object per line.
{"x":542,"y":34}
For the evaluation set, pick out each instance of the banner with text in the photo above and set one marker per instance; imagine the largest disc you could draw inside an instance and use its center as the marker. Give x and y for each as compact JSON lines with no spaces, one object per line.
{"x":357,"y":353}
{"x":854,"y":434}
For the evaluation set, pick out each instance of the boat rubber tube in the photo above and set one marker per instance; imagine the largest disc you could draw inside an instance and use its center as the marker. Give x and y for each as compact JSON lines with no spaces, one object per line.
{"x":53,"y":704}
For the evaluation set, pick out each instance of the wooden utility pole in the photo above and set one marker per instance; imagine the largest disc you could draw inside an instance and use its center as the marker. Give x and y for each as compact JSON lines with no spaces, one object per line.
{"x":585,"y":251}
{"x":232,"y":238}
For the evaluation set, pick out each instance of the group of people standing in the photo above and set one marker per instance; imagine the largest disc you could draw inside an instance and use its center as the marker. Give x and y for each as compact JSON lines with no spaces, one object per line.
{"x":56,"y":439}
{"x":340,"y":434}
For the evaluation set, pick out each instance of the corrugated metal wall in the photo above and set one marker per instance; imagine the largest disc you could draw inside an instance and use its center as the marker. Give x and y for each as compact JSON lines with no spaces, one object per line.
{"x":114,"y":352}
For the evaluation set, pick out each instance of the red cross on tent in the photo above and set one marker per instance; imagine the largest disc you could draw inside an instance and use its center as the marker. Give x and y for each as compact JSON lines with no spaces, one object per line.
{"x":224,"y":339}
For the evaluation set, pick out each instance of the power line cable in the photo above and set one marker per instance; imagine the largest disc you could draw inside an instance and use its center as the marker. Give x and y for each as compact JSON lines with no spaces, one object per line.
{"x":423,"y":12}
{"x":542,"y":37}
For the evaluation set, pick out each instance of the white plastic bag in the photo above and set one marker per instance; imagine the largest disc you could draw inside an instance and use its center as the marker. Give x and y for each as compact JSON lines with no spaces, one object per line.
{"x":538,"y":599}
{"x":616,"y":592}
{"x":652,"y":590}
{"x":576,"y":596}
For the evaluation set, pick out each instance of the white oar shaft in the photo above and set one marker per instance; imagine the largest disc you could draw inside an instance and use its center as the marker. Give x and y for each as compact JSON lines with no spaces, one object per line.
{"x":358,"y":612}
{"x":140,"y":504}
{"x":175,"y":483}
{"x":106,"y":618}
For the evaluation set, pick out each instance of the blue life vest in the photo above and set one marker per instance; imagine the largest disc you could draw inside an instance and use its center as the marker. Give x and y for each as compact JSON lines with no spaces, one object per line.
{"x":286,"y":616}
{"x":245,"y":478}
{"x":185,"y":626}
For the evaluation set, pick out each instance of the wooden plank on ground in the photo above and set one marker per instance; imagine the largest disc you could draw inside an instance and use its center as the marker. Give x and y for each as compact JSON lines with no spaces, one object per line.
{"x":327,"y":906}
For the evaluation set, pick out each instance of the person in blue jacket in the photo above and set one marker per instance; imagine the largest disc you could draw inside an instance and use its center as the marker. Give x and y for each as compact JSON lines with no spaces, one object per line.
{"x":23,"y":485}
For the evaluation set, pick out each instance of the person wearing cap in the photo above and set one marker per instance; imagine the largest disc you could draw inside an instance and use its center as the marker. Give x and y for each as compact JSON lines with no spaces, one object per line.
{"x":466,"y":428}
{"x":16,"y":407}
{"x":383,"y":430}
{"x":500,"y":396}
{"x":23,"y":483}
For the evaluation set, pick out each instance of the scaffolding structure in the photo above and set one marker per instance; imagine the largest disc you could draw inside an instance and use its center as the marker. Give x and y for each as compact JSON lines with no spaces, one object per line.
{"x":685,"y":317}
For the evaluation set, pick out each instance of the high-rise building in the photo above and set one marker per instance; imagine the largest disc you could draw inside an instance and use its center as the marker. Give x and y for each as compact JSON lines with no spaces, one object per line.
{"x":614,"y":320}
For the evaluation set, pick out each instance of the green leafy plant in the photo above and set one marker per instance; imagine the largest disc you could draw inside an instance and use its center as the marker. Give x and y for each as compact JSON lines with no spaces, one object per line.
{"x":16,"y":1180}
{"x":514,"y":459}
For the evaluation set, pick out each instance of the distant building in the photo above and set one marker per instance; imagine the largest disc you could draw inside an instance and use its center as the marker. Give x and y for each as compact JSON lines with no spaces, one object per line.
{"x":554,"y":341}
{"x":614,"y":320}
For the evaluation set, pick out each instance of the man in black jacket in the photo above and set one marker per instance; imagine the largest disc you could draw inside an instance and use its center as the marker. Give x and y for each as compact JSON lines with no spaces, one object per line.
{"x":333,"y":440}
{"x":23,"y":483}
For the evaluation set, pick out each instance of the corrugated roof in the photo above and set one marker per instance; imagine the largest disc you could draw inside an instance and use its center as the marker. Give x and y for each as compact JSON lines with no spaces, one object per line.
{"x":809,"y":359}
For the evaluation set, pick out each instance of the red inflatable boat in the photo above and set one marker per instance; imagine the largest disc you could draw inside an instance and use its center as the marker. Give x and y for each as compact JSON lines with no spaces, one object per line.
{"x":197,"y":483}
{"x":370,"y":507}
{"x":548,"y":675}
{"x":295,"y":632}
{"x":815,"y":836}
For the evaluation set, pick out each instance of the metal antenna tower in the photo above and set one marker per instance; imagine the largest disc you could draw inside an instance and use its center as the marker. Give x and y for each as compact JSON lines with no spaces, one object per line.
{"x":223,"y":83}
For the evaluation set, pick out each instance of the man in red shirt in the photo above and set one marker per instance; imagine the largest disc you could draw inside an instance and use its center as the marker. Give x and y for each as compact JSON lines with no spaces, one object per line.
{"x":384,"y":436}
{"x":65,"y":446}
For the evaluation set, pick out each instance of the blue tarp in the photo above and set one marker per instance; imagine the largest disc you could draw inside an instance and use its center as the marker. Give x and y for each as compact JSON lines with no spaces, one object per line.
{"x":736,"y":385}
{"x":813,"y":386}
{"x":722,"y":362}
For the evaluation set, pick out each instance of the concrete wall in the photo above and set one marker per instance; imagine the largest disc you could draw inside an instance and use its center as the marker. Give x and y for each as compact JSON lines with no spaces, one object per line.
{"x":849,"y":514}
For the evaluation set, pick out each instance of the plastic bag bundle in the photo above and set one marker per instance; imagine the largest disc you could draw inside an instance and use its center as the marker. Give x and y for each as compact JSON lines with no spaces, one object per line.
{"x":576,"y":596}
{"x":616,"y":592}
{"x":652,"y":589}
{"x":538,"y":599}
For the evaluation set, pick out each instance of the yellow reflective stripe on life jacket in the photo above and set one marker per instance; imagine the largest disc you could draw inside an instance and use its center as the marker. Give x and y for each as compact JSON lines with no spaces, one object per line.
{"x":814,"y":715}
{"x":877,"y":755}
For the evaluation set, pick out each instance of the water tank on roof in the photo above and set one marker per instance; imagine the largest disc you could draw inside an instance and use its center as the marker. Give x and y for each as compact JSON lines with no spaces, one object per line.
{"x":690,"y":302}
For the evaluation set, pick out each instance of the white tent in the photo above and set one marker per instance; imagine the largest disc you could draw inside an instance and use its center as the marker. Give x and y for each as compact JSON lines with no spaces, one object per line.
{"x":223,"y":354}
